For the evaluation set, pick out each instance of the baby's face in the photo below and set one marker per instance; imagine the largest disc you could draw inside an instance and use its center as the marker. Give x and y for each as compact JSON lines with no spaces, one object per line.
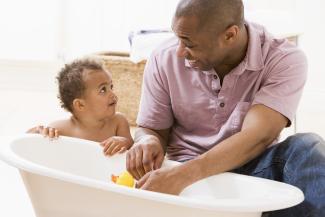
{"x":99,"y":97}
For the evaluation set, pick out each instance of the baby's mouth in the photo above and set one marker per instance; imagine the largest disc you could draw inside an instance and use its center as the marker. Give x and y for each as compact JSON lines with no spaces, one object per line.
{"x":112,"y":104}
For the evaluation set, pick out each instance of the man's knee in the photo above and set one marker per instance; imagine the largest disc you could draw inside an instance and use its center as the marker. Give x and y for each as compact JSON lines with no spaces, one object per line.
{"x":302,"y":142}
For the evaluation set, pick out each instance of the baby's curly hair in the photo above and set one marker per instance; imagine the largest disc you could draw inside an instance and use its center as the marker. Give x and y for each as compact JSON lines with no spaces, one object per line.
{"x":70,"y":80}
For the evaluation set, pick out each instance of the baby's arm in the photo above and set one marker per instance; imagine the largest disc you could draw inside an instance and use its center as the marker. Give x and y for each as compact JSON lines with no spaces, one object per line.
{"x":123,"y":139}
{"x":53,"y":130}
{"x":45,"y":131}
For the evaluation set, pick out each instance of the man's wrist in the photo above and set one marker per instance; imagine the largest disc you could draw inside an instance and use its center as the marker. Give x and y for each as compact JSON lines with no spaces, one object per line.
{"x":192,"y":171}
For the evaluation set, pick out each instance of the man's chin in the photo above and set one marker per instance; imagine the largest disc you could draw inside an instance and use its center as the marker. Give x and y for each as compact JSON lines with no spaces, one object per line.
{"x":199,"y":66}
{"x":204,"y":68}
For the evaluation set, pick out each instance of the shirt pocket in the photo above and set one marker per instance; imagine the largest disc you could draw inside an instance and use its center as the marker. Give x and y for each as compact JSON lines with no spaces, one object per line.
{"x":192,"y":116}
{"x":238,"y":115}
{"x":185,"y":115}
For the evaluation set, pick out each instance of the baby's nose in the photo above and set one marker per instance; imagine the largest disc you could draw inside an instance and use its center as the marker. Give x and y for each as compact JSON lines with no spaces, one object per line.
{"x":114,"y":97}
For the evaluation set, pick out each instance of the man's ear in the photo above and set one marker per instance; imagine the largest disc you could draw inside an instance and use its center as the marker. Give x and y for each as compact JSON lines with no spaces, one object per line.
{"x":78,"y":104}
{"x":231,"y":33}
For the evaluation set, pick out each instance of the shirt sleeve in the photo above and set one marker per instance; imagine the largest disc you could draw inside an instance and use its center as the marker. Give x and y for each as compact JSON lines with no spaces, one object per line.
{"x":282,"y":89}
{"x":155,"y":105}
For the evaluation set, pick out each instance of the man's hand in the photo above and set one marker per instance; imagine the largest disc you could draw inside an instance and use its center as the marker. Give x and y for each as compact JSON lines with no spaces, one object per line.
{"x":144,"y":157}
{"x":115,"y":144}
{"x":164,"y":180}
{"x":45,"y":131}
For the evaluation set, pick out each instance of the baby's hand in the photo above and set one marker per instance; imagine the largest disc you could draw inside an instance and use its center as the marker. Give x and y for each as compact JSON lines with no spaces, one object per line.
{"x":115,"y":144}
{"x":45,"y":131}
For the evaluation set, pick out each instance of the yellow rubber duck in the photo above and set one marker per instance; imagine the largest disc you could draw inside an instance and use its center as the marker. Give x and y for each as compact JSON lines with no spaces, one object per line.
{"x":124,"y":178}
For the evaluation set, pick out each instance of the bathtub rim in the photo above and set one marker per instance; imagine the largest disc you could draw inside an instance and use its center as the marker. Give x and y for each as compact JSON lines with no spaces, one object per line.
{"x":224,"y":205}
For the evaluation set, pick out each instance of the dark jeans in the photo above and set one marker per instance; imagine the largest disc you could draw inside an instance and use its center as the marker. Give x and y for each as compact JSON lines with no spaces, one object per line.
{"x":299,"y":161}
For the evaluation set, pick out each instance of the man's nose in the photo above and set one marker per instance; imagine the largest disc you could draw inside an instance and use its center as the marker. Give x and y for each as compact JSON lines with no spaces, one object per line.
{"x":181,"y":50}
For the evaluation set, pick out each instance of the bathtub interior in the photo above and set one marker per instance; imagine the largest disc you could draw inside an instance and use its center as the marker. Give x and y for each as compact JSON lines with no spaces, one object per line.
{"x":85,"y":159}
{"x":73,"y":156}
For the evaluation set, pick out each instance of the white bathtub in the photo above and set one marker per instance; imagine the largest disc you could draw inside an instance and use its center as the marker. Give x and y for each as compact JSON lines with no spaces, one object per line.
{"x":70,"y":177}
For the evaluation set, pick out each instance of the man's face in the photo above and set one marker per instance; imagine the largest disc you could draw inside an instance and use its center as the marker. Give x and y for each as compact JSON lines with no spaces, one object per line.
{"x":203,"y":49}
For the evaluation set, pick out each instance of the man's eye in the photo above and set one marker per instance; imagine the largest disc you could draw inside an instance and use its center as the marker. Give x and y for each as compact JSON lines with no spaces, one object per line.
{"x":190,"y":46}
{"x":186,"y":45}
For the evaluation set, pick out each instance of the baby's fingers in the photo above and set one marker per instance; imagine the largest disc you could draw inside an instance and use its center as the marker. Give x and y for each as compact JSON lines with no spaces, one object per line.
{"x":45,"y":132}
{"x":118,"y":149}
{"x":122,"y":150}
{"x":104,"y":143}
{"x":56,"y":133}
{"x":53,"y":133}
{"x":106,"y":147}
{"x":110,"y":149}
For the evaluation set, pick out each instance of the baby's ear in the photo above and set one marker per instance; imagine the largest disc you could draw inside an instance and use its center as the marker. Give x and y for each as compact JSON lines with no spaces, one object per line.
{"x":78,"y":104}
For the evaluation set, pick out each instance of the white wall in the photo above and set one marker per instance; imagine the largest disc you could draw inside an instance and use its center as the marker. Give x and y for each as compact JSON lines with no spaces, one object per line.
{"x":29,"y":29}
{"x":48,"y":30}
{"x":309,"y":17}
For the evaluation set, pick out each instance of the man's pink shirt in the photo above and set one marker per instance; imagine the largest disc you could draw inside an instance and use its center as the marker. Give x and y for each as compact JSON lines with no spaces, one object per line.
{"x":200,"y":112}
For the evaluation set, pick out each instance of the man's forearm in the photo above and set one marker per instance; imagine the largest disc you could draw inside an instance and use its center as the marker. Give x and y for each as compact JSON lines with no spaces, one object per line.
{"x":227,"y":155}
{"x":260,"y":127}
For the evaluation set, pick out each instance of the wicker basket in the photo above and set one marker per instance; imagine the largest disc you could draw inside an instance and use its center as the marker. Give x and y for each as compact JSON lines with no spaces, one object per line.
{"x":127,"y":80}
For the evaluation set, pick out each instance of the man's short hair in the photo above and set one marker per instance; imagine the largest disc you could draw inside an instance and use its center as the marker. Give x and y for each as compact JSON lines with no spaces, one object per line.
{"x":70,"y":80}
{"x":219,"y":14}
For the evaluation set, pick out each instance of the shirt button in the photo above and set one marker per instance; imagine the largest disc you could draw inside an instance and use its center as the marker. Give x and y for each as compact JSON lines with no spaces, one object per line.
{"x":215,"y":77}
{"x":222,"y":105}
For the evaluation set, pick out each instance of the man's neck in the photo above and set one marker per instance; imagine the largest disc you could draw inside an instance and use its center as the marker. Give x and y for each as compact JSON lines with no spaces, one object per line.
{"x":236,"y":56}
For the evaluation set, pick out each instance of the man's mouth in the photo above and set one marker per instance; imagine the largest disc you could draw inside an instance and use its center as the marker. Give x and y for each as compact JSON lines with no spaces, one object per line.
{"x":193,"y":63}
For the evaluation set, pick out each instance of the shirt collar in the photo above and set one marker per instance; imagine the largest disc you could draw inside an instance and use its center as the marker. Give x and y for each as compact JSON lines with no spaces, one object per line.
{"x":254,"y":56}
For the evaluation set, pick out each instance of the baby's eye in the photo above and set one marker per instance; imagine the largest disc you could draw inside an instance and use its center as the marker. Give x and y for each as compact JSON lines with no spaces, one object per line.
{"x":103,"y":90}
{"x":112,"y":86}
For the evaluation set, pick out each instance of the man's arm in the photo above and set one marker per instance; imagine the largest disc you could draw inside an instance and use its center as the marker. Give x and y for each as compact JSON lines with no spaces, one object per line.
{"x":261,"y":126}
{"x":148,"y":151}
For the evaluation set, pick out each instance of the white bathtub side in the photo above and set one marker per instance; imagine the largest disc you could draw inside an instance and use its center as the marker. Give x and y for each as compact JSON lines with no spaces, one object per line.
{"x":55,"y":198}
{"x":71,"y":176}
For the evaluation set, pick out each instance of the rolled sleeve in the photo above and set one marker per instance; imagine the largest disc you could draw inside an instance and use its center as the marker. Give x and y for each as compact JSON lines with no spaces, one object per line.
{"x":155,"y":105}
{"x":284,"y":84}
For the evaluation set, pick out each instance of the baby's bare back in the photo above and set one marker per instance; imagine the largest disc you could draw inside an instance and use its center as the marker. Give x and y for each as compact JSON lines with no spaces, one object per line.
{"x":87,"y":130}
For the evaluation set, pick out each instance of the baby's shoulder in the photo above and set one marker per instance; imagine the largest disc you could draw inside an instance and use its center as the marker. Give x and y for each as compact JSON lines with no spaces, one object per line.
{"x":119,"y":118}
{"x":63,"y":126}
{"x":120,"y":115}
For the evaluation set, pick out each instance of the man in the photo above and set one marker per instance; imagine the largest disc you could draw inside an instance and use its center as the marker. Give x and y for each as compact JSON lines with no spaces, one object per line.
{"x":216,"y":98}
